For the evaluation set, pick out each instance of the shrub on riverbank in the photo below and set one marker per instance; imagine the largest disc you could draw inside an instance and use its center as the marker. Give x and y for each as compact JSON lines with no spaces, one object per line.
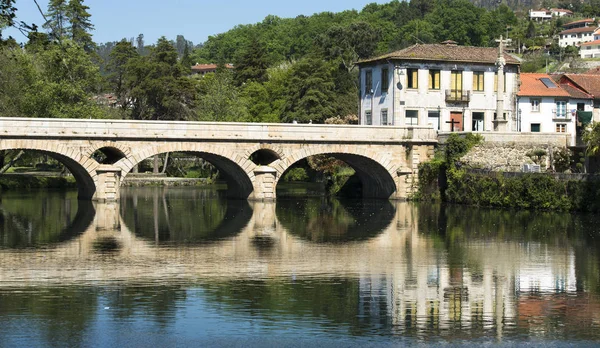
{"x":443,"y":179}
{"x":11,"y":182}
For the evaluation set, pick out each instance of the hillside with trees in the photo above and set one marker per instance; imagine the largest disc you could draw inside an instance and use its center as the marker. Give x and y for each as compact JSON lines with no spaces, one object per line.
{"x":286,"y":69}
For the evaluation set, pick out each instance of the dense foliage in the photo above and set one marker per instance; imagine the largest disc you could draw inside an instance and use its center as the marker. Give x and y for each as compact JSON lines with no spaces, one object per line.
{"x":445,"y":179}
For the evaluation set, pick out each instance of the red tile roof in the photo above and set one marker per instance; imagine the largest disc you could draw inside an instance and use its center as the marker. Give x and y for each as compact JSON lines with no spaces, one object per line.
{"x":446,"y":53}
{"x":597,"y":42}
{"x":208,"y":67}
{"x":578,"y":30}
{"x":593,"y":71}
{"x":587,"y":82}
{"x":587,"y":20}
{"x":532,"y":86}
{"x":561,"y":10}
{"x":575,"y":92}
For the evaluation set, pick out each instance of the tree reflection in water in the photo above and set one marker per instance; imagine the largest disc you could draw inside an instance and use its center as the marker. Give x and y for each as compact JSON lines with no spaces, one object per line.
{"x":349,"y":268}
{"x":328,"y":220}
{"x":41,"y":219}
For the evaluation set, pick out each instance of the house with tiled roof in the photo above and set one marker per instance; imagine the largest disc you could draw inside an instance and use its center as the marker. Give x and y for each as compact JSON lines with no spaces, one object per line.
{"x":203,"y":69}
{"x":545,"y":14}
{"x":588,"y":83}
{"x":591,"y":49}
{"x":447,"y":86}
{"x":547,"y":106}
{"x":576,"y":36}
{"x":580,"y":23}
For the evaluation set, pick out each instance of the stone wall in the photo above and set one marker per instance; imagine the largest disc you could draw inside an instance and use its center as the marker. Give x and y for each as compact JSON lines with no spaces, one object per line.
{"x":507,"y":157}
{"x":508,"y":151}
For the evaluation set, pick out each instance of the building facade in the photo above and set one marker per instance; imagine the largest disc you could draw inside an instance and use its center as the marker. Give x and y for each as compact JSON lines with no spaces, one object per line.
{"x":591,"y":49}
{"x":446,"y":86}
{"x":587,"y":83}
{"x":577,"y":32}
{"x":544,"y":14}
{"x":545,"y":106}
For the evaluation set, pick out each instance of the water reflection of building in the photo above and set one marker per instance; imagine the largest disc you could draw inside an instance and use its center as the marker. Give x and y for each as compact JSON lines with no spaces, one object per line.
{"x":410,"y":275}
{"x":493,"y":284}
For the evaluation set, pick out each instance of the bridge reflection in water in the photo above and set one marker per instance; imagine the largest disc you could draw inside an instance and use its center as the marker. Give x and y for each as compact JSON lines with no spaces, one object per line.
{"x":414,"y":268}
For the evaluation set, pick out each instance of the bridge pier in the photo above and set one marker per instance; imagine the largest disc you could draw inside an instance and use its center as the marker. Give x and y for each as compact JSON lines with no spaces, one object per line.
{"x":108,"y":183}
{"x":264,"y":183}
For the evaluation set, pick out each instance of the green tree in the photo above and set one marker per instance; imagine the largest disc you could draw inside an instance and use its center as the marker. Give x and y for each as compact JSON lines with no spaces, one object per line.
{"x":349,"y":43}
{"x":17,"y":74}
{"x":120,"y":56}
{"x":252,"y":64}
{"x":458,"y":20}
{"x":80,"y":24}
{"x":309,"y":92}
{"x":186,"y":59}
{"x":66,"y":80}
{"x":219,"y":99}
{"x":159,"y":88}
{"x":57,"y":20}
{"x":591,"y":137}
{"x":531,"y":32}
{"x":7,"y":15}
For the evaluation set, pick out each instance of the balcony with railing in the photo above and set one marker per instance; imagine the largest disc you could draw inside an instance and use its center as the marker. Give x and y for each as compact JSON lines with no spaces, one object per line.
{"x":458,"y":96}
{"x":561,"y":115}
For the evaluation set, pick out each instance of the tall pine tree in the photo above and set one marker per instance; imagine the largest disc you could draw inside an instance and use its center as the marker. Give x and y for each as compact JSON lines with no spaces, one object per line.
{"x":253,"y":63}
{"x":80,"y":24}
{"x":57,"y":21}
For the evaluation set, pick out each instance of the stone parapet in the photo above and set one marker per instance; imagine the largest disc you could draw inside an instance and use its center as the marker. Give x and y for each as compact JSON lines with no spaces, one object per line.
{"x":554,"y":139}
{"x":215,"y":131}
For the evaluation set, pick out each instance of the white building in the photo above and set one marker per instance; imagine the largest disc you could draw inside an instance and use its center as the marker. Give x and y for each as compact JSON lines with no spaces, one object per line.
{"x":576,"y":36}
{"x":577,"y":32}
{"x":544,"y":14}
{"x":540,"y":15}
{"x":591,"y":49}
{"x":561,"y":12}
{"x":548,"y":107}
{"x":450,"y":87}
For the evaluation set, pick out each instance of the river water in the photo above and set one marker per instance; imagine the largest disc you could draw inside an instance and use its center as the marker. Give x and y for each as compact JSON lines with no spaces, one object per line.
{"x":186,"y":266}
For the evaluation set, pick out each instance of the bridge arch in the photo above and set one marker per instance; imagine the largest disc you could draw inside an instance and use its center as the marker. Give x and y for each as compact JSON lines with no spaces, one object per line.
{"x":237,"y":171}
{"x":112,"y":151}
{"x":377,"y":172}
{"x":81,"y":167}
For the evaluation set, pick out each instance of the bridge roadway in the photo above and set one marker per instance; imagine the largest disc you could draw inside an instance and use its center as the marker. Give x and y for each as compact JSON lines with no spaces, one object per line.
{"x":252,"y":157}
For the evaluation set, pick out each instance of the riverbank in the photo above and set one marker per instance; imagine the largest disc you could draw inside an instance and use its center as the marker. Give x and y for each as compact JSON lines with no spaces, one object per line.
{"x":448,"y":178}
{"x":54,"y":180}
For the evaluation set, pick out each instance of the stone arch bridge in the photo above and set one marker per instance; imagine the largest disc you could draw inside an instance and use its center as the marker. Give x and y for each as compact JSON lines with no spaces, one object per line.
{"x":251,"y":156}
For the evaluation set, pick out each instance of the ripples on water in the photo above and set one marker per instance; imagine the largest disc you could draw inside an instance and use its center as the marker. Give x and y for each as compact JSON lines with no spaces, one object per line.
{"x":180,"y":267}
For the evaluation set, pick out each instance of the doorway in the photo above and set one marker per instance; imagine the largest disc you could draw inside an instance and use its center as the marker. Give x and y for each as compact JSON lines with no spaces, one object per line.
{"x":456,"y":121}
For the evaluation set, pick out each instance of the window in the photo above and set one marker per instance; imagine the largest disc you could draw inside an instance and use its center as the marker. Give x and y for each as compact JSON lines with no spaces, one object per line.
{"x":478,"y":121}
{"x":561,"y":128}
{"x":456,"y":84}
{"x":368,"y":82}
{"x":385,"y":80}
{"x":434,"y":79}
{"x":433,"y":119}
{"x":413,"y":78}
{"x":368,"y":117}
{"x":535,"y":105}
{"x":478,"y":81}
{"x":535,"y":127}
{"x":412,"y":117}
{"x":384,"y":117}
{"x":561,"y":108}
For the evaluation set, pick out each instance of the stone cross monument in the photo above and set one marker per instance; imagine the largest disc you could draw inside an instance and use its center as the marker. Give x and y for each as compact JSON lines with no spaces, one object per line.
{"x":500,"y":122}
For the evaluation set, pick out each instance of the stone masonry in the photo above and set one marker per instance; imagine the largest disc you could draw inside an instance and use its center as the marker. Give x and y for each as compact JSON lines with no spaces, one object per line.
{"x":385,"y":158}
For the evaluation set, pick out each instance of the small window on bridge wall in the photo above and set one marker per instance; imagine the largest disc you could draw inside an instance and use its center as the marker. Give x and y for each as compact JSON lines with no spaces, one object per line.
{"x":264,"y":157}
{"x":108,"y":155}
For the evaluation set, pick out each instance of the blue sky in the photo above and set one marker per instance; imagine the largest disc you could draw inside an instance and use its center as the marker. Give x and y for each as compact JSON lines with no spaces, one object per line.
{"x":196,"y":20}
